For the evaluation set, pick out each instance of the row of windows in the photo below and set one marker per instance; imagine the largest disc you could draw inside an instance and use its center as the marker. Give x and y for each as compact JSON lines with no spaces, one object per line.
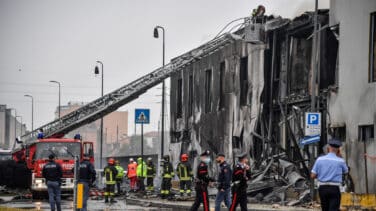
{"x":243,"y":76}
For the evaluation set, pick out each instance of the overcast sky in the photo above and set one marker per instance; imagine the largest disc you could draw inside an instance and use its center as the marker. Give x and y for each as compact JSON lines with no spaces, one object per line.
{"x":43,"y":40}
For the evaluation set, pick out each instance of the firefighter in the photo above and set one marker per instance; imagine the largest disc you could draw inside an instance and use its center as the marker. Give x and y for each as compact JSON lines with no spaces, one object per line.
{"x":132,"y":174}
{"x":185,"y":175}
{"x":240,"y":176}
{"x":53,"y":172}
{"x":141,"y":174}
{"x":119,"y":177}
{"x":110,"y":173}
{"x":150,"y":174}
{"x":87,"y":176}
{"x":167,"y":175}
{"x":202,"y":182}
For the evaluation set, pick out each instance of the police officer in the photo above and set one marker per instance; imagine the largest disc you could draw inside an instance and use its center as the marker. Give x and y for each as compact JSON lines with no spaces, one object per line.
{"x":110,"y":173}
{"x":119,"y":177}
{"x":167,"y":175}
{"x":52,"y":172}
{"x":240,"y":176}
{"x":224,"y":183}
{"x":328,"y":170}
{"x":87,"y":178}
{"x":150,"y":174}
{"x":202,"y":182}
{"x":185,"y":175}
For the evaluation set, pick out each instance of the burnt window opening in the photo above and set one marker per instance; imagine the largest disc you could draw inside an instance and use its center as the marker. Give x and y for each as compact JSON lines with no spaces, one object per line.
{"x":190,"y":89}
{"x":339,"y":133}
{"x":243,"y":80}
{"x":179,"y":100}
{"x":222,"y":68}
{"x":366,"y":133}
{"x":208,"y":79}
{"x":237,"y":142}
{"x":372,"y":49}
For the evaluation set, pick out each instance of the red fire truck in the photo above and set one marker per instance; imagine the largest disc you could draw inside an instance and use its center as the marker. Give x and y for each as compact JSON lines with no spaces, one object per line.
{"x":35,"y":156}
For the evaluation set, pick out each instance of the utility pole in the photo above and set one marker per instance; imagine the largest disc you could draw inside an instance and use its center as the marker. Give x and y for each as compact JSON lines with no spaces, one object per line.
{"x":32,"y":111}
{"x":58,"y":83}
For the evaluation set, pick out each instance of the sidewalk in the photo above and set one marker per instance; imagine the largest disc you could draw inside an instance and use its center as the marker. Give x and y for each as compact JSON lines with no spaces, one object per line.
{"x":185,"y":205}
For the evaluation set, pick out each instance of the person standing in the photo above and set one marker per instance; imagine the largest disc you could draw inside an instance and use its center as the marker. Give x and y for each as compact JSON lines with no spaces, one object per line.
{"x":224,"y":183}
{"x":141,"y":174}
{"x":110,"y":173}
{"x":185,"y":175}
{"x":328,"y":170}
{"x":87,"y":176}
{"x":240,"y":176}
{"x":167,"y":175}
{"x":53,"y":173}
{"x":119,"y":177}
{"x":132,"y":174}
{"x":150,"y":174}
{"x":202,"y":182}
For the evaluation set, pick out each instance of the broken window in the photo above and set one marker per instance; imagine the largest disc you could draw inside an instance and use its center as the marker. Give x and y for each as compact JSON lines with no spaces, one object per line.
{"x":222,"y":68}
{"x":339,"y":133}
{"x":208,"y":77}
{"x":366,"y":133}
{"x":243,"y":80}
{"x":179,"y":100}
{"x":190,"y":89}
{"x":372,"y":49}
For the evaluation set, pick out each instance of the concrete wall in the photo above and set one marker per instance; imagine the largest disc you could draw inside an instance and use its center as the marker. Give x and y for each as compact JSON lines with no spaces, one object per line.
{"x":354,"y":103}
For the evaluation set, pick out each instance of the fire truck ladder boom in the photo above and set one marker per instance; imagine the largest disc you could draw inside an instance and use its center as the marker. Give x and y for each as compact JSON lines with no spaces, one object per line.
{"x":115,"y":99}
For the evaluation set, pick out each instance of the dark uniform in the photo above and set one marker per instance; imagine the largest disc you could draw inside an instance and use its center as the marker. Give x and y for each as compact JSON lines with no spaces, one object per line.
{"x":185,"y":175}
{"x":53,"y":173}
{"x":87,"y":176}
{"x":150,"y":174}
{"x":224,"y":185}
{"x":167,"y":175}
{"x":110,"y":173}
{"x":202,"y":182}
{"x":239,"y":190}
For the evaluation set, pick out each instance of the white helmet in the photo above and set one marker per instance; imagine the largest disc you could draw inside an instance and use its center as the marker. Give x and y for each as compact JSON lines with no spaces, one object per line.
{"x":131,"y":160}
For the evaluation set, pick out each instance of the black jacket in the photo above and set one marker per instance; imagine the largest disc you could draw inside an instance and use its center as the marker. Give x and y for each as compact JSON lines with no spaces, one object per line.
{"x":224,"y":177}
{"x":202,"y":173}
{"x":240,"y":176}
{"x":87,"y":172}
{"x":52,"y":172}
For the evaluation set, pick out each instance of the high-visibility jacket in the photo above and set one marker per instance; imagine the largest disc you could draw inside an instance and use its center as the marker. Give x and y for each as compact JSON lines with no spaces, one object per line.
{"x":120,"y":171}
{"x":141,"y":169}
{"x":184,"y":171}
{"x":132,"y":170}
{"x":110,"y":173}
{"x":150,"y":170}
{"x":168,"y":171}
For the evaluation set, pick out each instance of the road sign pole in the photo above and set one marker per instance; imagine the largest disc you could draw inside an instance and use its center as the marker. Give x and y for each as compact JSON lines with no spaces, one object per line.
{"x":142,"y":149}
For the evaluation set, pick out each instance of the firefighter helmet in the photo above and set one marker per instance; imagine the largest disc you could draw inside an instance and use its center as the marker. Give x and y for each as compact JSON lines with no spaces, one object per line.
{"x":184,"y":157}
{"x":111,"y":161}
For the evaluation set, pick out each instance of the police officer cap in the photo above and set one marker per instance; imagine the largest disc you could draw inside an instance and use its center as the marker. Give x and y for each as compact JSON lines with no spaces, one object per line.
{"x":221,"y":155}
{"x":51,"y":156}
{"x":205,"y":153}
{"x":335,"y":143}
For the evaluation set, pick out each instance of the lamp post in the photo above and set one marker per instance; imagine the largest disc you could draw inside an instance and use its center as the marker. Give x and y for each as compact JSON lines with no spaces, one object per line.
{"x":96,"y":72}
{"x":59,"y":84}
{"x":32,"y":111}
{"x":156,"y":35}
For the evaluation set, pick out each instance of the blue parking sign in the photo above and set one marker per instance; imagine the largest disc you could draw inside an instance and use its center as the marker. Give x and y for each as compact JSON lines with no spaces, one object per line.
{"x":312,"y":125}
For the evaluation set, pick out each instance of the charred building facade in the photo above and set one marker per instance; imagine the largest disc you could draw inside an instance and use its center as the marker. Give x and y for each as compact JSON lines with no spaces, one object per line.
{"x":251,"y":96}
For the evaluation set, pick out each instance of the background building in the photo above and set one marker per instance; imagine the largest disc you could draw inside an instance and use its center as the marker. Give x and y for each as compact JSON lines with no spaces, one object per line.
{"x":10,"y":127}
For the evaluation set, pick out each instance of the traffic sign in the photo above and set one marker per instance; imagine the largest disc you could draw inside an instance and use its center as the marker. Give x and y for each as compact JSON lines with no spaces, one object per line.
{"x":309,"y":140}
{"x":312,"y":125}
{"x":142,"y":116}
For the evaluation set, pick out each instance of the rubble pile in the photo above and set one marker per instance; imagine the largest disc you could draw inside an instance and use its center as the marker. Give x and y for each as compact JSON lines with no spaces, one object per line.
{"x":278,"y":180}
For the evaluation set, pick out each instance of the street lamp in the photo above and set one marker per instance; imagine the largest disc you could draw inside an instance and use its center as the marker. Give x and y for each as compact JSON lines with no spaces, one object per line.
{"x":156,"y":35}
{"x":96,"y":72}
{"x":32,"y":111}
{"x":56,"y":82}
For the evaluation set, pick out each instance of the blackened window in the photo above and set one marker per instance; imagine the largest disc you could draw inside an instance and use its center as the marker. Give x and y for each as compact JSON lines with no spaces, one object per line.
{"x":243,"y":80}
{"x":372,"y":49}
{"x":179,"y":103}
{"x":190,"y":89}
{"x":222,"y":68}
{"x":208,"y":78}
{"x":366,"y":133}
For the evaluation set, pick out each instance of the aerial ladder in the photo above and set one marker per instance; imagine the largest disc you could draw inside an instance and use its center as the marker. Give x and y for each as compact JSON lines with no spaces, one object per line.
{"x":115,"y":99}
